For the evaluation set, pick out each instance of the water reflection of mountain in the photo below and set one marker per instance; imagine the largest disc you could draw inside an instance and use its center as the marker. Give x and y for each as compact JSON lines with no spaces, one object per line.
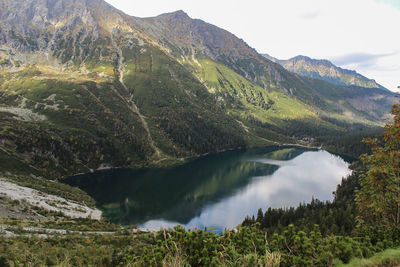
{"x":178,"y":193}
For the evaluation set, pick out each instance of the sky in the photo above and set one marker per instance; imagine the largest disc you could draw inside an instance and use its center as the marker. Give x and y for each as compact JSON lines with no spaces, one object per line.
{"x":361,"y":35}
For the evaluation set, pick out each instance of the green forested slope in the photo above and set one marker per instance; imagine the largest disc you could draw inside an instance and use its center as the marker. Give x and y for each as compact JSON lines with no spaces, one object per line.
{"x":84,"y":86}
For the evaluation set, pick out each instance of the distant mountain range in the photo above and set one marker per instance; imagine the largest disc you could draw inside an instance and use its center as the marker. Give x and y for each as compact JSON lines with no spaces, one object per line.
{"x":84,"y":86}
{"x":324,"y":70}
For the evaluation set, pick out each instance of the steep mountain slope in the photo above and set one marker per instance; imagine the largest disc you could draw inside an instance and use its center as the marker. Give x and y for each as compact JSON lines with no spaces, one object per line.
{"x":67,"y":106}
{"x":324,"y":70}
{"x":189,"y":39}
{"x":84,"y":86}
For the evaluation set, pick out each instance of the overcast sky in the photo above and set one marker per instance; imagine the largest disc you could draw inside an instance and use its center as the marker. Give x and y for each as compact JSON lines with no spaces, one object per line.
{"x":363,"y":35}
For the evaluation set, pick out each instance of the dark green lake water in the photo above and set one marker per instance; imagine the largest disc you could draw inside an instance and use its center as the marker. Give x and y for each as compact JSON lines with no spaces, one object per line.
{"x":214,"y":191}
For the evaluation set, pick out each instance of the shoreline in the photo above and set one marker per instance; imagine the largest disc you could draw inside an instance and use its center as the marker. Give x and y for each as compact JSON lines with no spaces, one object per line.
{"x":183,"y":160}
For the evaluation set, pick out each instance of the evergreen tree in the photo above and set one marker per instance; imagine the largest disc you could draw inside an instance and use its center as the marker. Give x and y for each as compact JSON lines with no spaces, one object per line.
{"x":378,"y":199}
{"x":260,"y":215}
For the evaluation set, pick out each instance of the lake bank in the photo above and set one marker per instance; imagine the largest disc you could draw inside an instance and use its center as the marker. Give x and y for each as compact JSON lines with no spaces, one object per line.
{"x":217,"y":190}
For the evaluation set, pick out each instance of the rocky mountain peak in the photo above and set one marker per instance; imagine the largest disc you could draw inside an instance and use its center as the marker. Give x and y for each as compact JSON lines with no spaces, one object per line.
{"x":308,"y":60}
{"x":301,"y":57}
{"x":48,"y":25}
{"x":192,"y":34}
{"x":179,"y":14}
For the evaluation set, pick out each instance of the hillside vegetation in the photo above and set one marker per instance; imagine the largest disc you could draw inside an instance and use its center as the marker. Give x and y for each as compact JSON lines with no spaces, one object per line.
{"x":84,"y":87}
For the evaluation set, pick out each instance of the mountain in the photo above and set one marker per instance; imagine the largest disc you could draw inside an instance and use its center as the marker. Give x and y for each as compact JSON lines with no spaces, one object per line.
{"x":325,"y":70}
{"x":84,"y":86}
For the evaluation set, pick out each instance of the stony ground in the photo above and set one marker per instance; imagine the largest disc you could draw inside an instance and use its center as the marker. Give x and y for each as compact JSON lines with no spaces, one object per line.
{"x":17,"y":210}
{"x":26,"y":203}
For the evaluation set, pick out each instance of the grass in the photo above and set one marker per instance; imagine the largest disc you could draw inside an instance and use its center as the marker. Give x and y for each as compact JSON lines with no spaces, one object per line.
{"x":184,"y":119}
{"x":239,"y":92}
{"x":90,"y":127}
{"x":71,"y":250}
{"x":63,"y":223}
{"x":11,"y":163}
{"x":389,"y":257}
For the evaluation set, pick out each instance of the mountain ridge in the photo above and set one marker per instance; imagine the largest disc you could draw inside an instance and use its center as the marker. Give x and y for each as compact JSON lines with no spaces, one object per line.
{"x":325,"y":70}
{"x":88,"y":87}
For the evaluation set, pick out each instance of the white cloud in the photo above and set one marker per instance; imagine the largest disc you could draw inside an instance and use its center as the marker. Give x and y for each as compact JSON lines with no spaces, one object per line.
{"x":286,"y":28}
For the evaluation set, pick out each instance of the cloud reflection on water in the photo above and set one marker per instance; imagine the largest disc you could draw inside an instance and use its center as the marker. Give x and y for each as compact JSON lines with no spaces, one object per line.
{"x":311,"y":174}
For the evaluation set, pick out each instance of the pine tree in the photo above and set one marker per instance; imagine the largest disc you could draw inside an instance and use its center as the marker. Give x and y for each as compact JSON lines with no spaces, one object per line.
{"x":260,"y":215}
{"x":378,"y":199}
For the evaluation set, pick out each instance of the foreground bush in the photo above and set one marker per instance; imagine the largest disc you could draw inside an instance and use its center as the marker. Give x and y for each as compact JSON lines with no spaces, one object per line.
{"x":251,"y":247}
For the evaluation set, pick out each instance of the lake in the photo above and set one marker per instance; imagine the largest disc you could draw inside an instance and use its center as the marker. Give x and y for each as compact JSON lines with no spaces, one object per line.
{"x":216,"y":191}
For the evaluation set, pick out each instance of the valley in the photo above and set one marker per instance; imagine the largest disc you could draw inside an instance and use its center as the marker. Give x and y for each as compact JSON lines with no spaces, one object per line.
{"x":114,"y":129}
{"x":81,"y":91}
